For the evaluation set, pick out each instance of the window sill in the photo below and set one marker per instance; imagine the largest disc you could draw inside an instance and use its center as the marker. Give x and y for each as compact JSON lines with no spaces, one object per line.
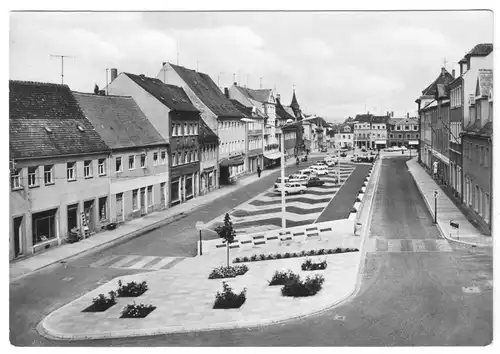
{"x":49,"y":183}
{"x":71,"y":180}
{"x":131,"y":169}
{"x":17,"y":188}
{"x":89,"y":177}
{"x":102,"y":175}
{"x":34,"y":186}
{"x":143,"y":167}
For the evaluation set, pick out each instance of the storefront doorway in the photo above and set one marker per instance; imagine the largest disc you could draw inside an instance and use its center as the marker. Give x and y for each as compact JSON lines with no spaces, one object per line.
{"x":18,"y":236}
{"x":88,"y":212}
{"x":143,"y":200}
{"x":72,"y":217}
{"x":119,"y":207}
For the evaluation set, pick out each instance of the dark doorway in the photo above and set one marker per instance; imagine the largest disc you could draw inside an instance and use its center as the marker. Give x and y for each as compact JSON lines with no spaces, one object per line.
{"x":18,"y":234}
{"x":72,"y":217}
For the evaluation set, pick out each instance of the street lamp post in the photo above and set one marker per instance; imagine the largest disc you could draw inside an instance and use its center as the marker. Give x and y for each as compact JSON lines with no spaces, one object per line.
{"x":283,"y":200}
{"x":435,"y":206}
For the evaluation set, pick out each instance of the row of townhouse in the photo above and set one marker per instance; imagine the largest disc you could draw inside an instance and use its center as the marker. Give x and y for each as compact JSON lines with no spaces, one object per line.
{"x":456,"y":131}
{"x":81,"y":162}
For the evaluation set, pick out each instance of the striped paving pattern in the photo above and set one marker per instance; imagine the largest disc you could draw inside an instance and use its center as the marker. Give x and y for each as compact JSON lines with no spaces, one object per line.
{"x":135,"y":262}
{"x":264,"y":211}
{"x":380,"y":245}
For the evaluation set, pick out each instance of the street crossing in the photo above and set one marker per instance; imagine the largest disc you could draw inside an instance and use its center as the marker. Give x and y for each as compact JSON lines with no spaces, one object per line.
{"x":135,"y":262}
{"x":380,"y":245}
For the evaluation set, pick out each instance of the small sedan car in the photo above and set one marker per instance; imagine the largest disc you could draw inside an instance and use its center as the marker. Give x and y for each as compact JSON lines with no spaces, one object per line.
{"x":343,"y":154}
{"x":302,"y":179}
{"x":291,"y":188}
{"x":278,"y":181}
{"x":389,"y":149}
{"x":320,"y":170}
{"x":314,"y":182}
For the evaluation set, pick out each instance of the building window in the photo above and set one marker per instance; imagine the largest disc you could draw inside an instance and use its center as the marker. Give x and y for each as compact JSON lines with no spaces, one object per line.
{"x":196,"y":155}
{"x":398,"y":127}
{"x":143,"y":160}
{"x":174,"y":160}
{"x":70,"y":171}
{"x":487,"y":158}
{"x":191,"y":129}
{"x":15,"y":178}
{"x":417,"y":136}
{"x":101,"y":168}
{"x":407,"y":136}
{"x":481,"y":156}
{"x":87,"y":169}
{"x":119,"y":166}
{"x":47,"y":174}
{"x":185,"y":132}
{"x":400,"y":136}
{"x":131,"y":162}
{"x":32,"y":176}
{"x":196,"y":129}
{"x":150,"y":195}
{"x":174,"y":129}
{"x":163,"y":157}
{"x":135,"y":206}
{"x":390,"y":136}
{"x":155,"y":158}
{"x":186,"y":157}
{"x":103,"y":208}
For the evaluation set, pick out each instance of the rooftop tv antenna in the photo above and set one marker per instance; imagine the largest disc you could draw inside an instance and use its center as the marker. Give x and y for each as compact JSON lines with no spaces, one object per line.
{"x":62,"y":64}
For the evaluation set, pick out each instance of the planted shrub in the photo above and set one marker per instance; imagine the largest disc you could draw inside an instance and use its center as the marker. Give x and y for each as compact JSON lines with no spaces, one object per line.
{"x":358,"y":200}
{"x":330,"y":251}
{"x":321,"y":252}
{"x":303,"y":253}
{"x":279,"y":256}
{"x":298,"y":288}
{"x":137,"y":311}
{"x":295,"y":254}
{"x":272,"y":256}
{"x":132,"y":289}
{"x":228,"y":272}
{"x":311,"y":253}
{"x":281,"y":277}
{"x":101,"y":303}
{"x":245,"y":259}
{"x":286,"y":255}
{"x":237,"y":260}
{"x":262,"y":257}
{"x":253,"y":258}
{"x":310,"y":265}
{"x":227,"y":299}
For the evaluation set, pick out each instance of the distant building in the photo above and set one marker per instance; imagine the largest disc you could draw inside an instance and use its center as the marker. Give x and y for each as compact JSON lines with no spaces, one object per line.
{"x":345,"y":137}
{"x":403,"y":132}
{"x":370,"y":131}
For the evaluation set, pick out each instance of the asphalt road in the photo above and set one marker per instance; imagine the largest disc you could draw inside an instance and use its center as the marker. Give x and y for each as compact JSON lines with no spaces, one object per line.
{"x":406,"y":298}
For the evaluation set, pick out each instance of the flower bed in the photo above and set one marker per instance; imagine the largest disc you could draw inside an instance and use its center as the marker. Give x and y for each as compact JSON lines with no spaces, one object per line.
{"x":132,"y":289}
{"x":228,"y":272}
{"x":101,"y":303}
{"x":228,"y":299}
{"x":282,"y":277}
{"x":137,"y":311}
{"x":273,"y":256}
{"x":300,"y":288}
{"x":310,"y":265}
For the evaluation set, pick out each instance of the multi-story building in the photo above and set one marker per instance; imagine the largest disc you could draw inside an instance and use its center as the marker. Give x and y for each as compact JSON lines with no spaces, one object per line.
{"x":255,"y":121}
{"x":265,"y":101}
{"x":479,"y":57}
{"x":345,"y":137}
{"x":370,"y":131}
{"x":290,"y":131}
{"x":138,"y":163}
{"x":208,"y":158}
{"x":431,"y":105}
{"x":59,"y":170}
{"x":217,"y":112}
{"x":403,"y":132}
{"x":478,"y":150}
{"x":173,"y":115}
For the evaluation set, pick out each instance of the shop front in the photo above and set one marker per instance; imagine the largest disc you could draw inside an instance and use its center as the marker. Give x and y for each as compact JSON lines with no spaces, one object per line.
{"x":183,"y":183}
{"x":272,"y":158}
{"x":254,"y":160}
{"x":230,"y":168}
{"x":380,"y":144}
{"x":45,"y":231}
{"x":207,"y":179}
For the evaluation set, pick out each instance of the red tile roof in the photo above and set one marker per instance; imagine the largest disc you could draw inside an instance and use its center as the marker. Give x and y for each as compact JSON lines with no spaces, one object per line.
{"x":208,"y":92}
{"x":171,"y":96}
{"x":45,"y":120}
{"x":119,"y":121}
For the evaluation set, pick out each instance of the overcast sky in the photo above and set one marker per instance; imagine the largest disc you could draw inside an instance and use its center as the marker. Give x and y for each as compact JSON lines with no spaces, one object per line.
{"x":340,"y":63}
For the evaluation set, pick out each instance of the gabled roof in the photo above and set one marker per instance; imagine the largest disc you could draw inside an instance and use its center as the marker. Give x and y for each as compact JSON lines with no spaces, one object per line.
{"x":45,"y":120}
{"x":171,"y":96}
{"x":480,"y":50}
{"x":363,"y":118}
{"x":404,"y":120}
{"x":282,"y":112}
{"x":249,"y":112}
{"x":484,"y":82}
{"x":119,"y":121}
{"x":208,"y":92}
{"x":206,"y":135}
{"x":444,"y":78}
{"x":259,"y":95}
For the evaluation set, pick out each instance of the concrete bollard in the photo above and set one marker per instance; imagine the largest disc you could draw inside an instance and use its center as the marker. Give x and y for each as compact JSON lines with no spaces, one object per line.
{"x":357,"y":229}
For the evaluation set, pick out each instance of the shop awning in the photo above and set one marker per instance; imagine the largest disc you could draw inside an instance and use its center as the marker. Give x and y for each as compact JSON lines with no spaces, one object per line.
{"x":273,"y":155}
{"x":413,"y":142}
{"x":236,"y":161}
{"x":380,"y":142}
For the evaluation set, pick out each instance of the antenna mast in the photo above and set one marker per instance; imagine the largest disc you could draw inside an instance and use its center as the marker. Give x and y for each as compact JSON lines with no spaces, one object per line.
{"x":62,"y":64}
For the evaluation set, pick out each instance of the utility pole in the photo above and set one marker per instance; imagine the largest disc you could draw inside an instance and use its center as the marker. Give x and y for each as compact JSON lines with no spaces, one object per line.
{"x":62,"y":64}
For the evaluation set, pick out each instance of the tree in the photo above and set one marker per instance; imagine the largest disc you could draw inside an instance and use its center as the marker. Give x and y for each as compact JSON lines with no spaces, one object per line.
{"x":226,"y":232}
{"x":96,"y":89}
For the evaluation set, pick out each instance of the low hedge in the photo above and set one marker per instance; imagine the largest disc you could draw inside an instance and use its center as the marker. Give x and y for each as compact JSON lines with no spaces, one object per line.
{"x":310,"y":265}
{"x":282,"y":277}
{"x":273,"y":256}
{"x":299,"y":288}
{"x":227,"y":299}
{"x":228,"y":272}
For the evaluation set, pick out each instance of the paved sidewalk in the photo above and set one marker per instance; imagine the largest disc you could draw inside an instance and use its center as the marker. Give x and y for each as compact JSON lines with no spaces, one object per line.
{"x":129,"y":229}
{"x":447,"y":210}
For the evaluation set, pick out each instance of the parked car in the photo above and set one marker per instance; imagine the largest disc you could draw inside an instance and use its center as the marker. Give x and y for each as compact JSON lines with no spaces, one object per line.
{"x":404,"y":148}
{"x":363,"y":149}
{"x":314,"y":181}
{"x":302,"y":179}
{"x":396,"y":148}
{"x":389,"y":149}
{"x":343,"y":154}
{"x":291,"y":188}
{"x":308,"y":172}
{"x":320,"y":170}
{"x":278,"y":181}
{"x":319,"y":163}
{"x":330,"y":162}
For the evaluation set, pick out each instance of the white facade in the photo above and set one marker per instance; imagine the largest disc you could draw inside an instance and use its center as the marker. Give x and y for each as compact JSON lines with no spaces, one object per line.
{"x":344,"y":140}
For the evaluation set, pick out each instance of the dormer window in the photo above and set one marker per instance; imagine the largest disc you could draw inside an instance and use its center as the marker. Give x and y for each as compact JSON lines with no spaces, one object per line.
{"x":80,"y":128}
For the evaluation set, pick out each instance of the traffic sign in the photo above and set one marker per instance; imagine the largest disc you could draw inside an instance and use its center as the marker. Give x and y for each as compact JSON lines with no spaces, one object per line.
{"x":436,"y":194}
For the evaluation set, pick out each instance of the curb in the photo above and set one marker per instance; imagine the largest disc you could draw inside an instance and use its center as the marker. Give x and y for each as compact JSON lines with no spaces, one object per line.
{"x":429,"y":208}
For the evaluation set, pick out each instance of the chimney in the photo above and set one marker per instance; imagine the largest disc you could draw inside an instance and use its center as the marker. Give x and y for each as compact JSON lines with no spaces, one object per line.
{"x":392,"y":114}
{"x":235,"y":83}
{"x":226,"y":92}
{"x":163,"y":64}
{"x":142,"y":75}
{"x":407,"y":114}
{"x":453,"y":73}
{"x":443,"y":71}
{"x":114,"y":74}
{"x":278,"y":97}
